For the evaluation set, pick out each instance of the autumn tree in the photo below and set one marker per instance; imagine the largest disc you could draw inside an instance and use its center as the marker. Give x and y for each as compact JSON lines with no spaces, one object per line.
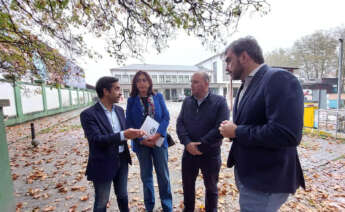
{"x":316,"y":54}
{"x":280,"y":57}
{"x":127,"y":26}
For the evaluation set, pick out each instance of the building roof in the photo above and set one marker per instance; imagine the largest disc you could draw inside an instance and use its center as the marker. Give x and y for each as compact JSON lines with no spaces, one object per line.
{"x":152,"y":67}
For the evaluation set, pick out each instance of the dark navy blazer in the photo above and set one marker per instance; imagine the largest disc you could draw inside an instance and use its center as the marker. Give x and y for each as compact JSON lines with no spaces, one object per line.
{"x":104,"y":160}
{"x":270,"y":121}
{"x":135,"y":116}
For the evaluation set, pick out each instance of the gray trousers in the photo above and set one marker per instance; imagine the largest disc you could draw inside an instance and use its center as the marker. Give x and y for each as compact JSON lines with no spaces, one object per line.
{"x":258,"y":201}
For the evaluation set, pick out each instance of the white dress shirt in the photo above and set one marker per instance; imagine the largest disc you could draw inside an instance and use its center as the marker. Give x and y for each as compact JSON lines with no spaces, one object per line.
{"x":115,"y":123}
{"x":247,"y":81}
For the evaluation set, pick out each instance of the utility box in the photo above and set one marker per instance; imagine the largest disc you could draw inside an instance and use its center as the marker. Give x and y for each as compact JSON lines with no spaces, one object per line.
{"x":310,"y":109}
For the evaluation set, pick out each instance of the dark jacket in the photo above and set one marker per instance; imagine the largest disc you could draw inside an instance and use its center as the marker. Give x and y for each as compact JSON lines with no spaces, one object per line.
{"x":135,"y":116}
{"x":104,"y":160}
{"x":200,"y":123}
{"x":269,"y":122}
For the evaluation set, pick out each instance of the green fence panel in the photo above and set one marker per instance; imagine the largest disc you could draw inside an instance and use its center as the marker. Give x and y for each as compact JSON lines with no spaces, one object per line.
{"x":7,"y":202}
{"x":23,"y":117}
{"x":18,"y":99}
{"x":44,"y":98}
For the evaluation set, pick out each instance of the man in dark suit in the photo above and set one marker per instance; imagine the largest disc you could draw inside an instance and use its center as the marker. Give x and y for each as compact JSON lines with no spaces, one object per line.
{"x":197,"y":128}
{"x":104,"y":125}
{"x":266,"y":129}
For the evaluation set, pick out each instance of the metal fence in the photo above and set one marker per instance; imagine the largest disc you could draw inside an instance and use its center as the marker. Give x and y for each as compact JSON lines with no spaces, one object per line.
{"x":29,"y":101}
{"x":327,"y":120}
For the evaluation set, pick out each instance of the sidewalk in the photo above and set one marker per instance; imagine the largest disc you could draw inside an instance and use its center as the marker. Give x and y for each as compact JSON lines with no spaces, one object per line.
{"x":51,"y":177}
{"x":24,"y":130}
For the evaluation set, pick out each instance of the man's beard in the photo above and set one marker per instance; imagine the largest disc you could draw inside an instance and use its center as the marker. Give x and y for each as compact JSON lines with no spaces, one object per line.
{"x":116,"y":100}
{"x":236,"y":74}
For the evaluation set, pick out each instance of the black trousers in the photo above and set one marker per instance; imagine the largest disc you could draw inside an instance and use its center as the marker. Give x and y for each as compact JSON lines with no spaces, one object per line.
{"x":210,"y":167}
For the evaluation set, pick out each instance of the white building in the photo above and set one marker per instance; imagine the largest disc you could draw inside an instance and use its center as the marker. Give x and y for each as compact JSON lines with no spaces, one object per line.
{"x":217,"y":64}
{"x":174,"y":80}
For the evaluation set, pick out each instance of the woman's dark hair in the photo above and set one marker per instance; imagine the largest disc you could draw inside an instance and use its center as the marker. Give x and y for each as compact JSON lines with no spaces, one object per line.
{"x":104,"y":82}
{"x":135,"y":91}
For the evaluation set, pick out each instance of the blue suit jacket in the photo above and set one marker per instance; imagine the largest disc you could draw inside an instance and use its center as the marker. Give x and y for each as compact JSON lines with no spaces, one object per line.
{"x":104,"y":160}
{"x":135,"y":116}
{"x":270,"y":121}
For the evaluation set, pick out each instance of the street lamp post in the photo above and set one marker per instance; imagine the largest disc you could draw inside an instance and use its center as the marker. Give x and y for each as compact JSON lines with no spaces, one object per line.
{"x":339,"y":83}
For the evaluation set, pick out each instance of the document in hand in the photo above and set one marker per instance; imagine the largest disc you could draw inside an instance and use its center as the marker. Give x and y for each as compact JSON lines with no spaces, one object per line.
{"x":150,"y":126}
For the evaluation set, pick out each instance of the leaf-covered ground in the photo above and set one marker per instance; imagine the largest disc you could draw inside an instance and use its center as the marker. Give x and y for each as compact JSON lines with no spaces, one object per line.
{"x":51,"y":176}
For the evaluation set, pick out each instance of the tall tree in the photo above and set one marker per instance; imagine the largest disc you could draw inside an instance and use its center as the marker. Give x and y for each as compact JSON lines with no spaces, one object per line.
{"x":280,"y":57}
{"x":316,"y":54}
{"x":127,"y":25}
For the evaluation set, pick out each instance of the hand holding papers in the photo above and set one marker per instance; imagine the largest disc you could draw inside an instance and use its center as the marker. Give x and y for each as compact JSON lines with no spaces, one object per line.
{"x":150,"y":127}
{"x":133,"y":133}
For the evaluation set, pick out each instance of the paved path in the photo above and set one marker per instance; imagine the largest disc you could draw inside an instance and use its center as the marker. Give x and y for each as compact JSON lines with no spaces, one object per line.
{"x":51,"y":177}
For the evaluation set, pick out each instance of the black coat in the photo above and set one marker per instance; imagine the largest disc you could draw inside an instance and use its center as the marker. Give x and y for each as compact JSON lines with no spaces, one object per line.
{"x":200,"y":123}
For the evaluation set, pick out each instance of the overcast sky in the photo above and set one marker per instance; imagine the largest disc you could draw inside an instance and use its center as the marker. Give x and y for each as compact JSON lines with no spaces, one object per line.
{"x":287,"y":22}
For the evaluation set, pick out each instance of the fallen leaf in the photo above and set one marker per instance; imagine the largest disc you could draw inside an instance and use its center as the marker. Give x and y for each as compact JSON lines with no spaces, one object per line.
{"x":84,"y":198}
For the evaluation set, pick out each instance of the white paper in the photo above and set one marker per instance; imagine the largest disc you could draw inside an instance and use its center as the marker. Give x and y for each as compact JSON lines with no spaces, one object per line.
{"x":150,"y":126}
{"x":160,"y":142}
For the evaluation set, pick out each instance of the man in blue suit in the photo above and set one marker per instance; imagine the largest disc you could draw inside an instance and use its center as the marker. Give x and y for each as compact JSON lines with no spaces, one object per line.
{"x":266,"y":129}
{"x":104,"y":126}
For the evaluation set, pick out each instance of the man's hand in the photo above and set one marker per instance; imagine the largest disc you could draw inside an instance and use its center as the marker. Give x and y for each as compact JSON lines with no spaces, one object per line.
{"x":228,"y":129}
{"x":133,"y":133}
{"x":193,"y":149}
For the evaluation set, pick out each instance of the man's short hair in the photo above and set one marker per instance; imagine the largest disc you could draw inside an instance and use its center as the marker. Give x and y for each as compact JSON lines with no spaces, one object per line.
{"x":104,"y":82}
{"x":204,"y":75}
{"x":247,"y":44}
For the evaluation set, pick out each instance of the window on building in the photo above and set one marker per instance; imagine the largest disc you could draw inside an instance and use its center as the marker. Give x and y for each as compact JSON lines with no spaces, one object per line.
{"x":161,"y":79}
{"x":174,"y":78}
{"x":168,"y":79}
{"x":154,"y":79}
{"x":125,"y":78}
{"x":118,"y":76}
{"x":131,"y":78}
{"x":226,"y":76}
{"x":187,"y":92}
{"x":186,"y":79}
{"x":173,"y":93}
{"x":180,"y":79}
{"x":214,"y":90}
{"x":126,"y":93}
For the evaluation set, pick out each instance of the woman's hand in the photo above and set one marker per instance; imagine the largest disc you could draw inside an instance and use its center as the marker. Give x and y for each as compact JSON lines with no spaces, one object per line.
{"x":148,"y":142}
{"x":155,"y":137}
{"x":151,"y":141}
